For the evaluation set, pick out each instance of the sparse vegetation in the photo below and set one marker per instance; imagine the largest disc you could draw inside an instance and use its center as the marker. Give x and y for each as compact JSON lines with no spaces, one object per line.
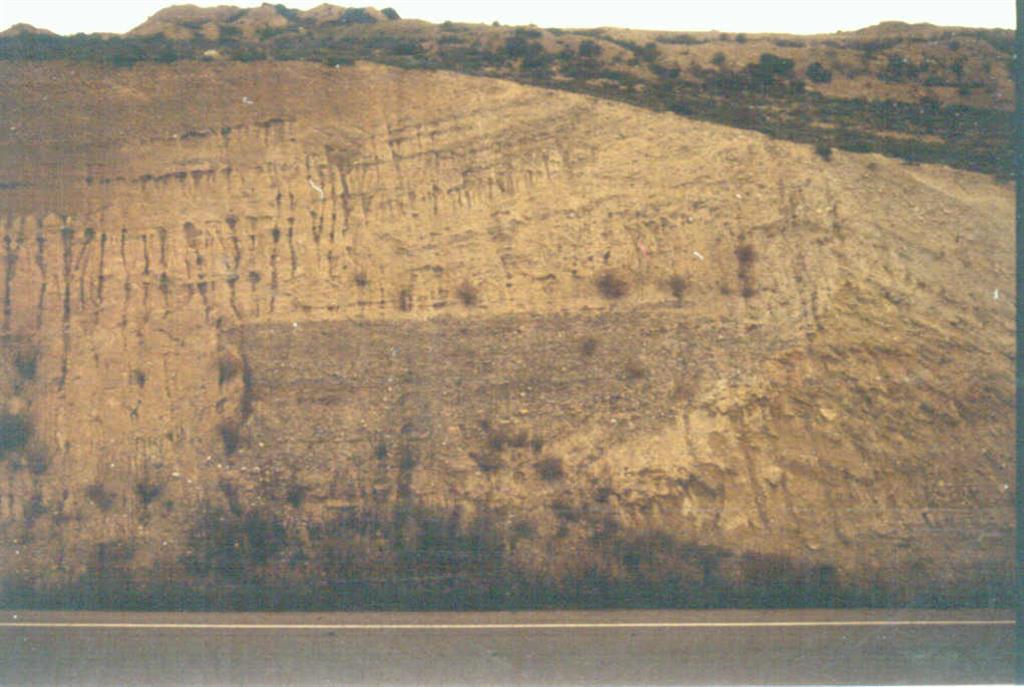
{"x":588,"y":346}
{"x":973,"y":138}
{"x":232,"y":547}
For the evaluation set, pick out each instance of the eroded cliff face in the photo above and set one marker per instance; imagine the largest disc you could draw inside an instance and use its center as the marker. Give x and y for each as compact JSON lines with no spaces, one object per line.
{"x":288,"y":325}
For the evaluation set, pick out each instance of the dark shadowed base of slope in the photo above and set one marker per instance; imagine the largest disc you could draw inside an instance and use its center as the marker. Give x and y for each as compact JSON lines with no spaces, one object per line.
{"x":420,"y":559}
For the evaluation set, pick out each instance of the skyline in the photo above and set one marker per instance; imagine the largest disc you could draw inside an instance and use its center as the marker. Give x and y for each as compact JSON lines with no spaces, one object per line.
{"x":68,"y":17}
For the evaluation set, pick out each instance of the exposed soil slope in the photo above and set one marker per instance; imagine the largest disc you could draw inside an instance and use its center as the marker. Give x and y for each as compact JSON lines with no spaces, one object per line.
{"x":364,"y":335}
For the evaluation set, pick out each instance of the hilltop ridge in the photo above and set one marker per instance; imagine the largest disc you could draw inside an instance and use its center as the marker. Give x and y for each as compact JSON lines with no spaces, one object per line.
{"x":185,"y":22}
{"x":917,"y":92}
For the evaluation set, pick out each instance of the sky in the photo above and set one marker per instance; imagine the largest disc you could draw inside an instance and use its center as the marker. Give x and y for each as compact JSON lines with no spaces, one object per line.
{"x":750,"y":16}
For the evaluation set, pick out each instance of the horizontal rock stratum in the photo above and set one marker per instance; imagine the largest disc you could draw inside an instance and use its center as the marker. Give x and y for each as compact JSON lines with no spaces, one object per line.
{"x":278,"y":334}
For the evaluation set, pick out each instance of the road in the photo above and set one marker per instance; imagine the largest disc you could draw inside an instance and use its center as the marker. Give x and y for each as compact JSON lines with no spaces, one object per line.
{"x":532,"y":648}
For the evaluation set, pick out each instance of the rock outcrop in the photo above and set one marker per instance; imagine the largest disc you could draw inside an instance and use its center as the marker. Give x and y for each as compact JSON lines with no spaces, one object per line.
{"x":187,"y":22}
{"x":303,"y":327}
{"x":25,"y":29}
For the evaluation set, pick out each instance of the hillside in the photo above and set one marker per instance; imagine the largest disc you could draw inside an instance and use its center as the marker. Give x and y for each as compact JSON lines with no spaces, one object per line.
{"x":290,"y":335}
{"x":919,"y":92}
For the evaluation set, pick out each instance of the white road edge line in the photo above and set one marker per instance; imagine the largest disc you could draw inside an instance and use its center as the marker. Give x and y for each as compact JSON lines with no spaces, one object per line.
{"x":499,"y":626}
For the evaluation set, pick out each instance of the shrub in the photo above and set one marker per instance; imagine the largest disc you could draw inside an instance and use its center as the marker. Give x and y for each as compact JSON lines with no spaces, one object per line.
{"x":824,"y":151}
{"x":229,"y":436}
{"x":34,"y":510}
{"x":523,"y":529}
{"x":589,"y":49}
{"x":296,"y":495}
{"x":25,"y":362}
{"x":499,"y":438}
{"x":635,"y":370}
{"x":612,"y":286}
{"x":467,"y":293}
{"x":37,"y":460}
{"x":564,"y":510}
{"x":769,"y":67}
{"x":139,"y":377}
{"x":718,"y":59}
{"x":487,"y":461}
{"x":649,"y":52}
{"x":588,"y":346}
{"x":15,"y":431}
{"x":818,"y":74}
{"x":148,"y":491}
{"x":677,"y":286}
{"x":405,"y":300}
{"x":550,"y":469}
{"x":100,"y":497}
{"x":360,"y":279}
{"x":746,"y":254}
{"x":230,"y":491}
{"x":228,"y":367}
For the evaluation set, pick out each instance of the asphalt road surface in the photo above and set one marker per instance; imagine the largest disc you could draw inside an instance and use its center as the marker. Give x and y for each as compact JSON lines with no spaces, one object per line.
{"x":531,"y":648}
